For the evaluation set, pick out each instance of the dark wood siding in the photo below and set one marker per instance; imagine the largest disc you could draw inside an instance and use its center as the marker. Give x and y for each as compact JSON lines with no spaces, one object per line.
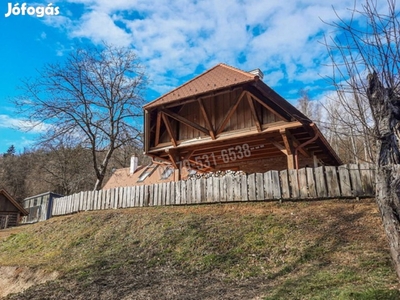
{"x":6,"y":205}
{"x":217,"y":108}
{"x":11,"y":217}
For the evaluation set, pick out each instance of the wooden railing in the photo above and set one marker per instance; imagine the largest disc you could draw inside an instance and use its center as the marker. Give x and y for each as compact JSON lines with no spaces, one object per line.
{"x":347,"y":181}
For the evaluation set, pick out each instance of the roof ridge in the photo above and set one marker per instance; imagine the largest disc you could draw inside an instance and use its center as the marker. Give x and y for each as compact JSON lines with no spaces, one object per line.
{"x":238,"y":70}
{"x":191,"y":80}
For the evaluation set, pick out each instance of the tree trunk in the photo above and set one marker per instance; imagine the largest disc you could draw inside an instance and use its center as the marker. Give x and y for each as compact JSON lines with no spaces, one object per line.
{"x":388,"y":200}
{"x":101,"y":172}
{"x":385,"y":107}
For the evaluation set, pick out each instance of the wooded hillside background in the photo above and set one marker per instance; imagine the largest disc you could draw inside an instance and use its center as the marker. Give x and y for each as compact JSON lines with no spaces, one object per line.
{"x":65,"y":169}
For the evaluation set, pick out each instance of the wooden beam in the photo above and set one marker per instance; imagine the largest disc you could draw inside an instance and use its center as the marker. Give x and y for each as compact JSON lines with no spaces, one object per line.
{"x":173,"y":155}
{"x":290,"y":162}
{"x":185,"y":121}
{"x":272,"y":128}
{"x":253,"y":112}
{"x":230,"y":113}
{"x":276,"y":126}
{"x":146,"y":131}
{"x":207,"y":119}
{"x":279,"y":146}
{"x":288,"y":142}
{"x":296,"y":143}
{"x":268,"y":107}
{"x":315,"y":160}
{"x":158,"y":125}
{"x":164,"y":160}
{"x":169,"y":129}
{"x":188,"y":155}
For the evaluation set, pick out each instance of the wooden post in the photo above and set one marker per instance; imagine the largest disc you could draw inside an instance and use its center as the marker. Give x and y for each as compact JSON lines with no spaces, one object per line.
{"x":315,"y":160}
{"x":146,"y":131}
{"x":289,"y":148}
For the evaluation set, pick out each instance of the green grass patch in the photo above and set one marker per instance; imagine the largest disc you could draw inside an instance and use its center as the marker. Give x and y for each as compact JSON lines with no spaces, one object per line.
{"x":315,"y":250}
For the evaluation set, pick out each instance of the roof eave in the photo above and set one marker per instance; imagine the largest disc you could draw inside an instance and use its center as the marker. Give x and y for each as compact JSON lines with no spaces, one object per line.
{"x":295,"y":113}
{"x":15,"y":203}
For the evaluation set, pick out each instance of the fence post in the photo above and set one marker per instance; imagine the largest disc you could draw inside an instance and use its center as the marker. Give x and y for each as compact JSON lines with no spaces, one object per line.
{"x":244,"y":187}
{"x":355,"y":180}
{"x":294,"y":184}
{"x":332,"y":182}
{"x":285,"y":184}
{"x":320,"y":182}
{"x":252,"y":187}
{"x":302,"y":181}
{"x":367,"y":179}
{"x":311,"y":183}
{"x":260,"y":186}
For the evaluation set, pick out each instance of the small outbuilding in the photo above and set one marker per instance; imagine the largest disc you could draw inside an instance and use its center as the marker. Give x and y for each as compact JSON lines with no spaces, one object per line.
{"x":11,"y":211}
{"x":39,"y":207}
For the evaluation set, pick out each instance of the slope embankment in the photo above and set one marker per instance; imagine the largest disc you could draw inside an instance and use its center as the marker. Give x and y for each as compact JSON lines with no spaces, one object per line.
{"x":292,"y":250}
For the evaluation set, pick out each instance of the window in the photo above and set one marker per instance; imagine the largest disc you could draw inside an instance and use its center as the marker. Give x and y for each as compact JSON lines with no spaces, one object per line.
{"x":192,"y":172}
{"x":167,"y":172}
{"x":147,"y":172}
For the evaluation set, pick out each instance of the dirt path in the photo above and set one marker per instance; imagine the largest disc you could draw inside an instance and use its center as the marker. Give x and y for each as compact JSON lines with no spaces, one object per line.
{"x":14,"y":279}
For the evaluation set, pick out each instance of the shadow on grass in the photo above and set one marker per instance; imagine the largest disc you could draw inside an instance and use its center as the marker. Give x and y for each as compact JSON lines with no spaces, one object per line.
{"x":311,"y":275}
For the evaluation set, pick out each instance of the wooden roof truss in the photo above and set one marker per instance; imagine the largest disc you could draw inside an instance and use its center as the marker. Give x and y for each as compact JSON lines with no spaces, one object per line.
{"x":265,"y":139}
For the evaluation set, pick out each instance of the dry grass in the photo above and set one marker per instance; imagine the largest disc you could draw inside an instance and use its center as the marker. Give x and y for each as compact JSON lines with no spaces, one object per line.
{"x":293,"y":250}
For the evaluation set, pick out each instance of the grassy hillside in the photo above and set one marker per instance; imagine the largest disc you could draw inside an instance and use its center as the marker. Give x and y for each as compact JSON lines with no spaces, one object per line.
{"x":303,"y":250}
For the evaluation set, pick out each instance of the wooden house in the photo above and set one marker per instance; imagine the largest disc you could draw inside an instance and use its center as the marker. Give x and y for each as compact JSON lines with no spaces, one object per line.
{"x":10,"y":210}
{"x":140,"y":175}
{"x":227,"y":118}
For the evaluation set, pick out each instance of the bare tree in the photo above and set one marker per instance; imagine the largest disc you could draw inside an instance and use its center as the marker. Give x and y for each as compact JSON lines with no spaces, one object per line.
{"x":13,"y":172}
{"x":349,"y":126}
{"x":94,"y":97}
{"x":309,"y":107}
{"x":65,"y":167}
{"x":366,"y":58}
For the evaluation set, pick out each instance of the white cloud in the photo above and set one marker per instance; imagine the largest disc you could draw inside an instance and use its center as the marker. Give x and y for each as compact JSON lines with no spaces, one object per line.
{"x":173,"y":38}
{"x":9,"y":122}
{"x":99,"y":26}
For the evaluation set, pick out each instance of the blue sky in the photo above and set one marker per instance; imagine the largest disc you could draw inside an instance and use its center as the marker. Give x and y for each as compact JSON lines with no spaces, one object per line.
{"x":175,"y":41}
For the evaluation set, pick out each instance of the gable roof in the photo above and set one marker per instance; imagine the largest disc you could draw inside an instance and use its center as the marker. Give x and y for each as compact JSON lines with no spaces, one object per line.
{"x":123,"y":177}
{"x":219,"y":77}
{"x":223,"y":78}
{"x":14,"y":202}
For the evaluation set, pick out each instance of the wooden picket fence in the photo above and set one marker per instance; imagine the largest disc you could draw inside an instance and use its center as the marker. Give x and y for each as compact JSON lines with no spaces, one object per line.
{"x":347,"y":181}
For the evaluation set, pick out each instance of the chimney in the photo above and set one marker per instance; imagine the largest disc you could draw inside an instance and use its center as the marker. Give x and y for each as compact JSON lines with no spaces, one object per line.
{"x":258,"y":73}
{"x":134,"y":164}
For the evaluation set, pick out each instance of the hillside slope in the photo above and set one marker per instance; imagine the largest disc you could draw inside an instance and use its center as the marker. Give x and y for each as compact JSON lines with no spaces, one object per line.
{"x":294,"y":250}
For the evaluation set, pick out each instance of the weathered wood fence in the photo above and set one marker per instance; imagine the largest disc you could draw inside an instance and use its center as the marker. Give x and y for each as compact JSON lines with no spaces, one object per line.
{"x":308,"y":183}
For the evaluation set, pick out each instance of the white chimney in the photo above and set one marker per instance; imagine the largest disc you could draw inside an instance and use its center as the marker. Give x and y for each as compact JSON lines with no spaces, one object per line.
{"x":134,"y":164}
{"x":258,"y":73}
